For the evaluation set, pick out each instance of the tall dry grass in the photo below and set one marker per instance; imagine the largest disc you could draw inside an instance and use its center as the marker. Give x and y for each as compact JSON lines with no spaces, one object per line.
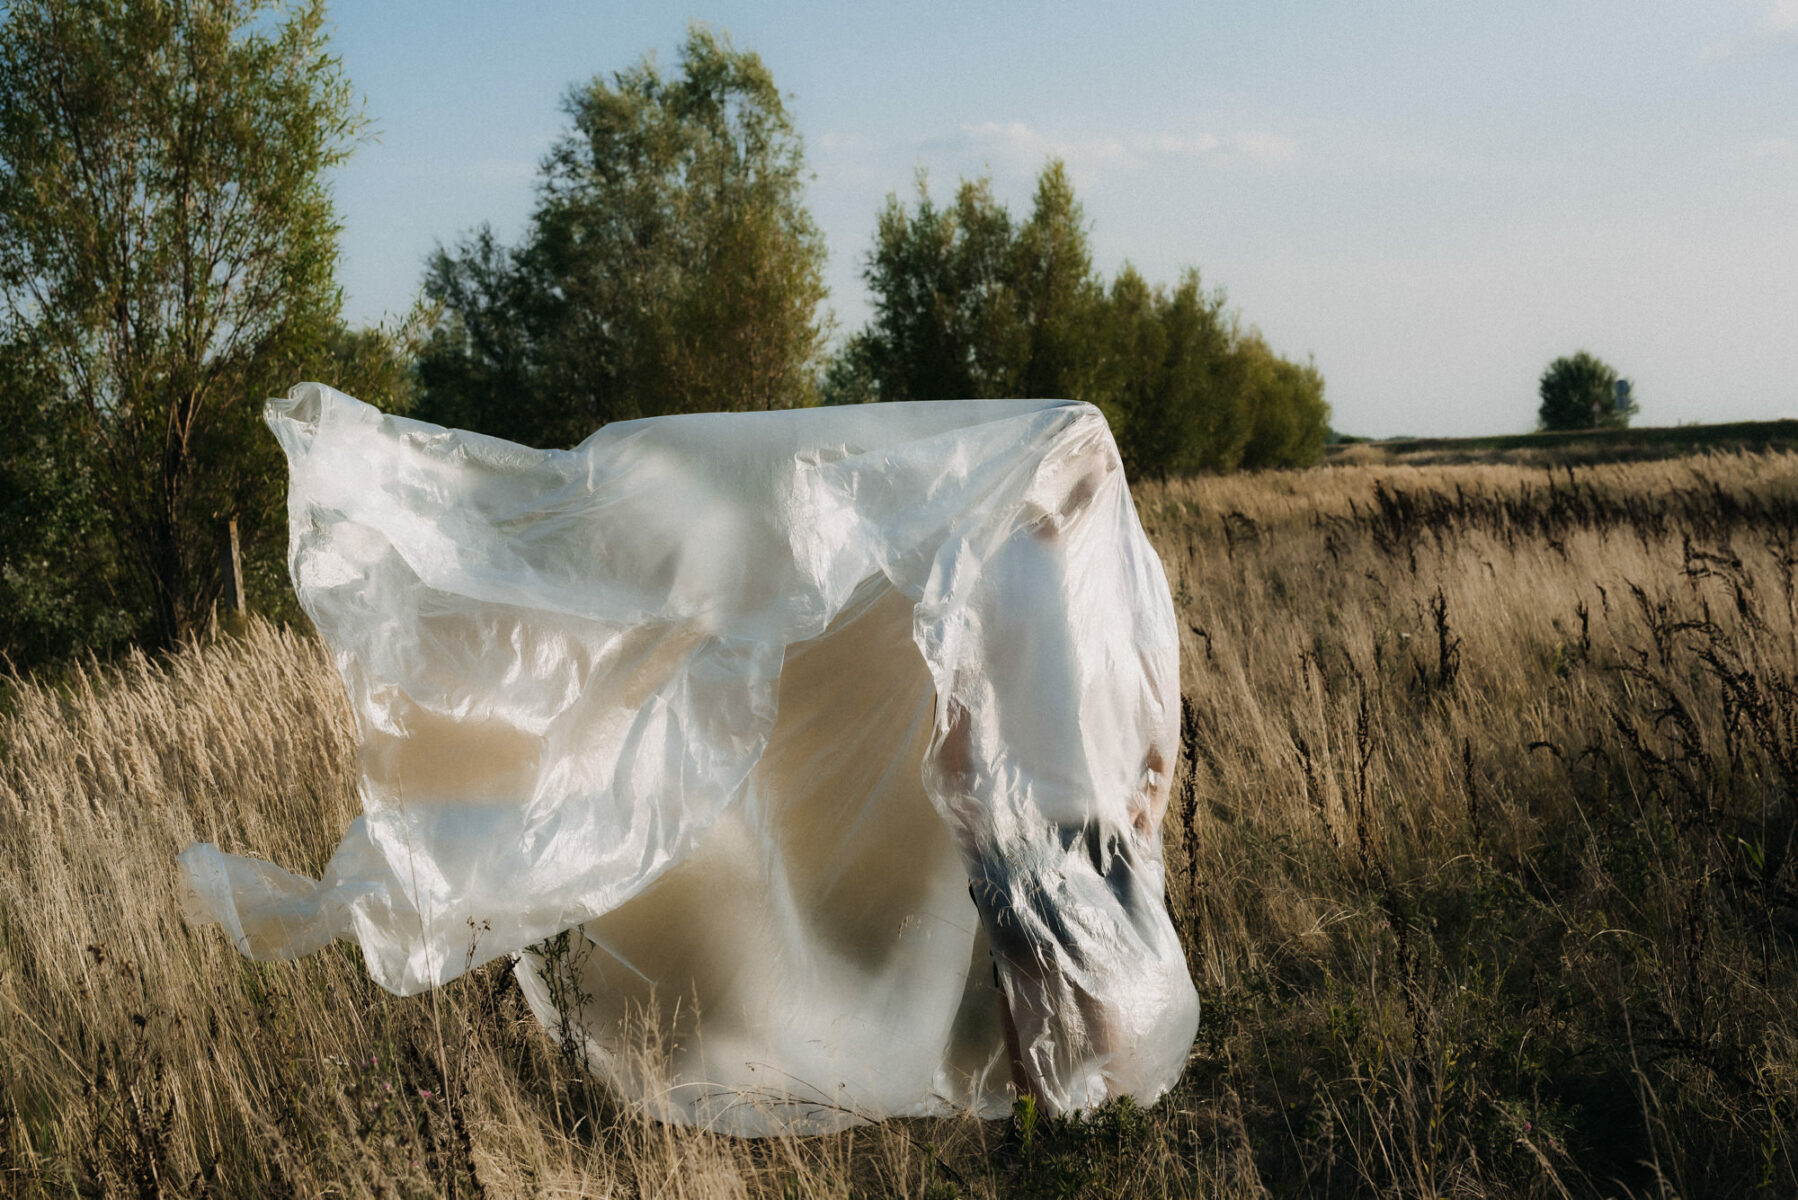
{"x":1482,"y":858}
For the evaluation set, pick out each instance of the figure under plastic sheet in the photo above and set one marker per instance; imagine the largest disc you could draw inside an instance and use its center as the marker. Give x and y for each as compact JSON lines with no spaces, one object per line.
{"x":840,"y":739}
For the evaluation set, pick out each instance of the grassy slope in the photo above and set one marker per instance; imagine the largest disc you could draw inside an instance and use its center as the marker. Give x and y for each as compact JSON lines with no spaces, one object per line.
{"x":1483,"y":862}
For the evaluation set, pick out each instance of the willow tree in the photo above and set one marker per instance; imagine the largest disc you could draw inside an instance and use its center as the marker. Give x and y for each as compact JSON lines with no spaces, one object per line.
{"x":167,"y":258}
{"x":670,"y":264}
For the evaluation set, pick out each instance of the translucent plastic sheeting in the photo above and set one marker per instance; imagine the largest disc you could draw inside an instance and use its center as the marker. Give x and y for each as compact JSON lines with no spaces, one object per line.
{"x":814,"y":728}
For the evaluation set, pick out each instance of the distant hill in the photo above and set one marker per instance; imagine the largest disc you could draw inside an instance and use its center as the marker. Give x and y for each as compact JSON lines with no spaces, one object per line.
{"x":1575,"y":446}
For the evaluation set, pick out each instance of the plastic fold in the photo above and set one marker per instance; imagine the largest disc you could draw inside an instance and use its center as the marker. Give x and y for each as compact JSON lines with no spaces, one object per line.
{"x":774,"y":746}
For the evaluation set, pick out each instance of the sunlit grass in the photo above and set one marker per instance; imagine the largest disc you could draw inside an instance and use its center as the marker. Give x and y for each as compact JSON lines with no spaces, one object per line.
{"x":1482,"y":858}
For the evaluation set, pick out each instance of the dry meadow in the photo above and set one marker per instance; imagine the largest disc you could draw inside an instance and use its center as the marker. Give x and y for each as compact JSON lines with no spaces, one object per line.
{"x":1482,"y":857}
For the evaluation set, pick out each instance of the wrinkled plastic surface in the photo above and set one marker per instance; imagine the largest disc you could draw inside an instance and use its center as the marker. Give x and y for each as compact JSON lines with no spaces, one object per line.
{"x":812,"y":726}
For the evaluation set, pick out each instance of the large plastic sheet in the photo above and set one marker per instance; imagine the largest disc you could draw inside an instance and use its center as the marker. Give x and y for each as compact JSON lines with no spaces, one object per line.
{"x":814,"y":727}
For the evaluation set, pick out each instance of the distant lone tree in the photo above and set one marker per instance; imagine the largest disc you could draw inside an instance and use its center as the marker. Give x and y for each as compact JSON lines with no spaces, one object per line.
{"x":1580,"y":391}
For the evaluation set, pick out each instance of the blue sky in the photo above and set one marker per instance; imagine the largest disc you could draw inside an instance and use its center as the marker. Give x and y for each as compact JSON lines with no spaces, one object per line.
{"x":1432,"y":198}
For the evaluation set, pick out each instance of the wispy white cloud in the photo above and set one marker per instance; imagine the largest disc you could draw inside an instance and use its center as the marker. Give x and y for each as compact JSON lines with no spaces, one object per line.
{"x":849,"y":143}
{"x":1167,"y":145}
{"x":1778,"y":22}
{"x":1017,"y":146}
{"x":1025,"y":144}
{"x":1266,"y":147}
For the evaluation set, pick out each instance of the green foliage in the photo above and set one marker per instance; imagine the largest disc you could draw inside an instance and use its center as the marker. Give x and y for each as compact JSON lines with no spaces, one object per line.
{"x":62,"y":587}
{"x":946,"y":310}
{"x":967,"y":303}
{"x":167,"y":250}
{"x":1289,"y":418}
{"x":1579,"y":392}
{"x":377,"y":363}
{"x":1090,"y":1154}
{"x":848,"y":375}
{"x":1172,"y":378}
{"x":1059,"y":294}
{"x":670,"y":265}
{"x":970,"y":303}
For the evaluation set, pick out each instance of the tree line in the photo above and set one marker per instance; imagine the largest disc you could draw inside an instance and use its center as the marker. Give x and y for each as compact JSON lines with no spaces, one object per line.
{"x":972,"y":302}
{"x":168,"y":258}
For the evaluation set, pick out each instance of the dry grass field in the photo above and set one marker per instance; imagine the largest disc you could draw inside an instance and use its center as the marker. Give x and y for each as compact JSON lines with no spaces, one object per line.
{"x":1483,"y":860}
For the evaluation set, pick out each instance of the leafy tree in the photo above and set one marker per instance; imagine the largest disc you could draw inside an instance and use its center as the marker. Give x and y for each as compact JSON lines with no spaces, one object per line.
{"x":1169,"y":383}
{"x":1290,"y":419}
{"x":377,"y":363}
{"x":970,"y":303}
{"x":848,"y":373}
{"x":1059,"y":294}
{"x":1140,"y":379}
{"x":1579,"y":391}
{"x":167,"y":252}
{"x":62,"y":586}
{"x":670,"y":265}
{"x":947,"y":320}
{"x":967,"y":303}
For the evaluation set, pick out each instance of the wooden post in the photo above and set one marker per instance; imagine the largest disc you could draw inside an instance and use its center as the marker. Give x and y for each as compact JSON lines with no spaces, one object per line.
{"x":231,"y":566}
